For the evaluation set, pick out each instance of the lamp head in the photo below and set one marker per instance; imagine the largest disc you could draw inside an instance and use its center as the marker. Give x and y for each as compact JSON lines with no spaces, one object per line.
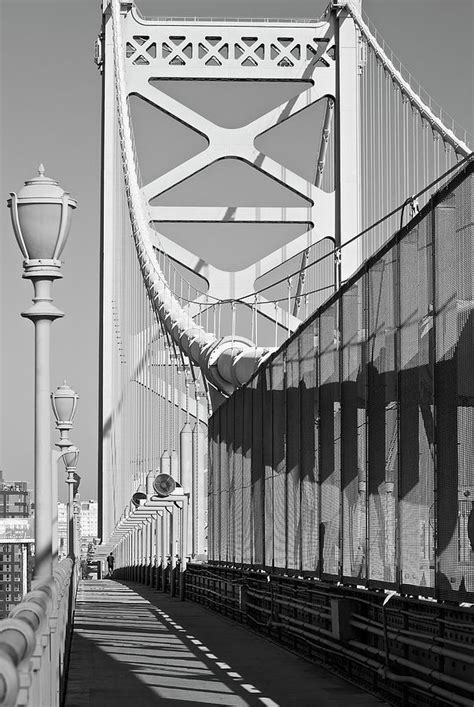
{"x":41,"y":218}
{"x":71,"y":458}
{"x":64,"y":404}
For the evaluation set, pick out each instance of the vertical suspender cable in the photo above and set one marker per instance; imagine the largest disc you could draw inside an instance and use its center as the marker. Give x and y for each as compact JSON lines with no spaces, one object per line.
{"x":414,"y":155}
{"x":289,"y":306}
{"x":276,"y":324}
{"x":381,"y":175}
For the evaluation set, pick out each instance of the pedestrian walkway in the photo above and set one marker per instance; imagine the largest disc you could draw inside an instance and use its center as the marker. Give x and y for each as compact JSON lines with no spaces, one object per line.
{"x":136,"y":647}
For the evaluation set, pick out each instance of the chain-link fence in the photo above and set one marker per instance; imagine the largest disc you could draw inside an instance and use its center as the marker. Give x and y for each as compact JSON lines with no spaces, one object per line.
{"x":350,"y":455}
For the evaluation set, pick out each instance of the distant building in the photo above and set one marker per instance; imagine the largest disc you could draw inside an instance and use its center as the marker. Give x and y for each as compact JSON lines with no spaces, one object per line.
{"x":16,"y":543}
{"x":62,"y":531}
{"x":89,"y":518}
{"x":89,"y":526}
{"x":14,"y":499}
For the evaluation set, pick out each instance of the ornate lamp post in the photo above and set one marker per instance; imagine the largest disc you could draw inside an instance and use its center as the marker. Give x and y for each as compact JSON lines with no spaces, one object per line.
{"x":64,"y":404}
{"x":41,"y":217}
{"x":70,"y":458}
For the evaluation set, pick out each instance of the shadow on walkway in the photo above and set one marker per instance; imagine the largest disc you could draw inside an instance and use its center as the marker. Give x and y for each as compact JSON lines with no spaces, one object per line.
{"x":135,"y":646}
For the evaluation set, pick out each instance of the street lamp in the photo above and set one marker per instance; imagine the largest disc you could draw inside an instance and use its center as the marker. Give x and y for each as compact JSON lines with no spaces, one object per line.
{"x":41,"y":218}
{"x":70,"y":459}
{"x":64,"y":404}
{"x":77,"y":526}
{"x":77,"y":516}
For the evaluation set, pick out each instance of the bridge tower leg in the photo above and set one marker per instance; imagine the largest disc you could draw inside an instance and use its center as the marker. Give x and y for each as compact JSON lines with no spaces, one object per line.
{"x":348,"y":215}
{"x":109,"y":207}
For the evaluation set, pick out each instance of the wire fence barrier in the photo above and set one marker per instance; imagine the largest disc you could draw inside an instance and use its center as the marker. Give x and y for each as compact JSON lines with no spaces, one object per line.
{"x":349,"y":455}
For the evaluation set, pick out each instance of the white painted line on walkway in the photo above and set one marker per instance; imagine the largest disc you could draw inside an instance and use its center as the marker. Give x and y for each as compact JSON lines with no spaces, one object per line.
{"x":251,"y":688}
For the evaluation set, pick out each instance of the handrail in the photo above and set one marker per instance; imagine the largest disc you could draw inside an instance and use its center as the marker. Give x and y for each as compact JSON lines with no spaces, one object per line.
{"x":230,"y":20}
{"x":196,"y":19}
{"x":33,"y":641}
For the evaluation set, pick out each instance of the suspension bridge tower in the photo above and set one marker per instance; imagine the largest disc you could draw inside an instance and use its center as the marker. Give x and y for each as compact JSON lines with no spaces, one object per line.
{"x":144,"y":57}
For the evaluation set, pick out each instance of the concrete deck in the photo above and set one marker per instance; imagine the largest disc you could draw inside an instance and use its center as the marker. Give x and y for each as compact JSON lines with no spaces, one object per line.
{"x":136,"y":647}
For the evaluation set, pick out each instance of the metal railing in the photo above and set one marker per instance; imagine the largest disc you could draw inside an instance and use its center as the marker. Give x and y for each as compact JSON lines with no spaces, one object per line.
{"x":406,"y":649}
{"x":346,"y":457}
{"x":386,"y":643}
{"x":197,"y":19}
{"x":34,"y":642}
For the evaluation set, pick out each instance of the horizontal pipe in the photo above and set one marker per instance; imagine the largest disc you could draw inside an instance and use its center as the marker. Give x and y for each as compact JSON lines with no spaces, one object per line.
{"x":396,"y":635}
{"x":428,"y":688}
{"x":429,"y":672}
{"x":301,"y":630}
{"x":382,"y":671}
{"x":293,"y":603}
{"x":210,"y":591}
{"x":331,"y":645}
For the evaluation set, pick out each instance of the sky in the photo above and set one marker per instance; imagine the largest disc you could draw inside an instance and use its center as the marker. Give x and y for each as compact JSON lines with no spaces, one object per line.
{"x":50,"y":98}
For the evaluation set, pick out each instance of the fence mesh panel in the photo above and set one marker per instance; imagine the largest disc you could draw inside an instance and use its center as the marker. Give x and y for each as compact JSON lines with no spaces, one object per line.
{"x":354,"y":430}
{"x":349,"y":455}
{"x":211,"y":483}
{"x":308,"y":458}
{"x":278,"y":443}
{"x":329,"y":412}
{"x":267,"y":414}
{"x":293,"y":455}
{"x":238,"y":474}
{"x":247,"y":516}
{"x":416,"y":492}
{"x":455,"y":391}
{"x":255,"y":388}
{"x":382,"y":418}
{"x":230,"y":519}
